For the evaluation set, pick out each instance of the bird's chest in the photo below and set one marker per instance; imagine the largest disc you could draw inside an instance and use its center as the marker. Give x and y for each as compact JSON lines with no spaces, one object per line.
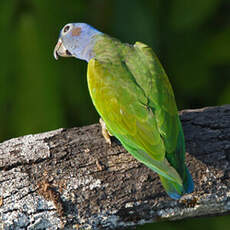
{"x":107,"y":82}
{"x":101,"y":86}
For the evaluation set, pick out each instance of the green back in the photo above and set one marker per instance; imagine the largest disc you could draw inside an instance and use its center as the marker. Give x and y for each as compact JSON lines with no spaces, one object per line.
{"x":132,"y":94}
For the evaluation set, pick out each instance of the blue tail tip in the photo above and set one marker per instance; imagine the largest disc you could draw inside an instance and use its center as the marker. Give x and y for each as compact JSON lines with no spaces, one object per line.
{"x":188,"y":189}
{"x":174,"y":196}
{"x":190,"y":184}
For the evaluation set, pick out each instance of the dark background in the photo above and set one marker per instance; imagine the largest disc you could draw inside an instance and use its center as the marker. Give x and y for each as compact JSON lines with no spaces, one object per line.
{"x":37,"y":93}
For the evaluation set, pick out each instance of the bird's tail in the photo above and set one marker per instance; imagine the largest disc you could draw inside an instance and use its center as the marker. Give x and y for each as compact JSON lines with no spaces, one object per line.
{"x":172,"y":170}
{"x":177,"y":161}
{"x":175,"y":190}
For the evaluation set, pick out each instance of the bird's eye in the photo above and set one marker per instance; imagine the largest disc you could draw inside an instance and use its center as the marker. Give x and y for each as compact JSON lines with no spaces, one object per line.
{"x":66,"y":29}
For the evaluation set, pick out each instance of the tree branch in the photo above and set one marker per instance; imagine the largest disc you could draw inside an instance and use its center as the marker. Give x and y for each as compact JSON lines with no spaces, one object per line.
{"x":72,"y":178}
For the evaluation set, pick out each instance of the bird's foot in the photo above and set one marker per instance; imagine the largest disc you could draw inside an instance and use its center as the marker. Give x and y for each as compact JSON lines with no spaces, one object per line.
{"x":105,"y":131}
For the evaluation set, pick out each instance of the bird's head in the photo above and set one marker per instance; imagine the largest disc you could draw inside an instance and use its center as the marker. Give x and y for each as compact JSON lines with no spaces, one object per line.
{"x":76,"y":40}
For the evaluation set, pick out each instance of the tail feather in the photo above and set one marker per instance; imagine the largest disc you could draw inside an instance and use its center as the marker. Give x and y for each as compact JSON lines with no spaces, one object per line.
{"x":188,"y":182}
{"x":175,"y":190}
{"x":173,"y":172}
{"x":177,"y":161}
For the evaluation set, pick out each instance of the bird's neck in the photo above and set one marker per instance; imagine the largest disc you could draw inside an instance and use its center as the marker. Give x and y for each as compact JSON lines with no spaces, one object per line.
{"x":87,"y":46}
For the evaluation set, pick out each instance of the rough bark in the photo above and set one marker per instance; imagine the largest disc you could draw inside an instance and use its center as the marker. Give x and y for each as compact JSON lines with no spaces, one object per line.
{"x":71,"y":178}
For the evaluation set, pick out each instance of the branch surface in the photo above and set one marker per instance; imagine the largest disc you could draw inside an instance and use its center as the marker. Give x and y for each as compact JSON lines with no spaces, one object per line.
{"x":70,"y":178}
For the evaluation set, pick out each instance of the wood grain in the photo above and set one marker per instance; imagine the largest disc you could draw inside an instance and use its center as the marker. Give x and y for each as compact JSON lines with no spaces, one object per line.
{"x":72,"y":179}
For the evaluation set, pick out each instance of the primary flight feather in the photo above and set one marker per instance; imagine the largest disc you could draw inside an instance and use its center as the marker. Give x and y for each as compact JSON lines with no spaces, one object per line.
{"x":133,"y":95}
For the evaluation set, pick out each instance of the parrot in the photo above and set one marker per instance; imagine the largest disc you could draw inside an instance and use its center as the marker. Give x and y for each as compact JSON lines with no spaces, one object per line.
{"x":132,"y":94}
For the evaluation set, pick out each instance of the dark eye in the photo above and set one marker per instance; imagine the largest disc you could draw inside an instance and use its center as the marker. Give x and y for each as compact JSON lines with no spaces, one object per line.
{"x":66,"y":29}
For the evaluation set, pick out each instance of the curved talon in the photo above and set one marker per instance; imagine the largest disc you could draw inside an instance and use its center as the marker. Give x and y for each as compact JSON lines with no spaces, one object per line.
{"x":105,"y":131}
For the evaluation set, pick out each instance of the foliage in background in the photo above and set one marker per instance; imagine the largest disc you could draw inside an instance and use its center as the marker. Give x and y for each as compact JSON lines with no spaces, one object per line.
{"x":37,"y":93}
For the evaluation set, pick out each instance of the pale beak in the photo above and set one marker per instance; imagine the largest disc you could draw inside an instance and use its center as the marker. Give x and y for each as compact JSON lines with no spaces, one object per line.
{"x":60,"y":50}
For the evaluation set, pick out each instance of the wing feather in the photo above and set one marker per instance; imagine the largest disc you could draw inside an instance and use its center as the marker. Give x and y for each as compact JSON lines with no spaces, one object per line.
{"x":123,"y":107}
{"x":132,"y":94}
{"x":160,"y":95}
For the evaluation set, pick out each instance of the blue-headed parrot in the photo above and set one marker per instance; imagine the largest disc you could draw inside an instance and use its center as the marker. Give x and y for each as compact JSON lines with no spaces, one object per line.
{"x":133,"y":96}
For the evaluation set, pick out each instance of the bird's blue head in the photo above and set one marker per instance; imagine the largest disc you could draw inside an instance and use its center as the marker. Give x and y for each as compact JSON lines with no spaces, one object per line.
{"x":76,"y":40}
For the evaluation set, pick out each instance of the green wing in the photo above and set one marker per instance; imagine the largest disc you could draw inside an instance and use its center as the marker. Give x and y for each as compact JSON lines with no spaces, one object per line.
{"x":136,"y":103}
{"x":152,"y":78}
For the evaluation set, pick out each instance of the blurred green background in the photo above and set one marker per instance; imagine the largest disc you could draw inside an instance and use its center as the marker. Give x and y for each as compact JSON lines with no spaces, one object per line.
{"x":37,"y":93}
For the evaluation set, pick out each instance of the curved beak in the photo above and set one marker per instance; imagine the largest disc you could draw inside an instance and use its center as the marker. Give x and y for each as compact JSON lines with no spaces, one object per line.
{"x":60,"y":50}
